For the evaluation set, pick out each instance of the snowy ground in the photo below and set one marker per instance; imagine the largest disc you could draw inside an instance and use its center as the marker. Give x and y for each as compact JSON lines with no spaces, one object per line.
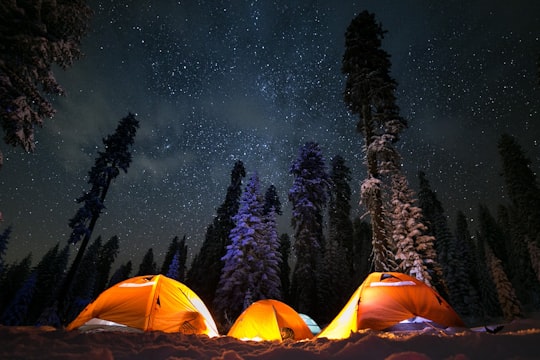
{"x":517,"y":340}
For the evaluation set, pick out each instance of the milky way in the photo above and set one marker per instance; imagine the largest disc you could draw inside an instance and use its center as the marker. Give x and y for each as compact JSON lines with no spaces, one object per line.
{"x":212,"y":82}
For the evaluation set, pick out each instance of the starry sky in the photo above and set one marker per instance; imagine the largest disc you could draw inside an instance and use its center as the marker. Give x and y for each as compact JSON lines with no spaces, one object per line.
{"x":212,"y":82}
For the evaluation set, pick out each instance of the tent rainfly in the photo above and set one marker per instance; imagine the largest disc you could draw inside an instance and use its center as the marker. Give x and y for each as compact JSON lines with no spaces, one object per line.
{"x":147,"y":303}
{"x":386,"y":299}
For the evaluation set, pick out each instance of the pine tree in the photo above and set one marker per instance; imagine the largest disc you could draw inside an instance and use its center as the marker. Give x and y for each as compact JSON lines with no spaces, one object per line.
{"x":122,"y":273}
{"x":510,"y":305}
{"x":271,"y":200}
{"x":369,"y":92}
{"x":171,"y":252}
{"x":107,"y":256}
{"x":177,"y":267}
{"x":14,"y":276}
{"x":521,"y":185}
{"x":148,"y":266}
{"x":17,"y":311}
{"x":436,"y":221}
{"x":308,"y":196}
{"x":534,"y":252}
{"x":35,"y":36}
{"x":205,"y":271}
{"x":250,"y":263}
{"x":362,"y":251}
{"x":409,"y":233}
{"x":340,"y":227}
{"x":108,"y":164}
{"x":465,"y":265}
{"x":4,"y":240}
{"x":285,"y":270}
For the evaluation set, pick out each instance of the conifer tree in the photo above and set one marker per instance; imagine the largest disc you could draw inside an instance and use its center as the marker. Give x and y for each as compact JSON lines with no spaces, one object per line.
{"x":340,"y":227}
{"x":4,"y":240}
{"x":16,"y":312}
{"x":490,"y":304}
{"x":285,"y":269}
{"x":468,"y":304}
{"x":521,"y":186}
{"x":251,"y":265}
{"x":108,"y":164}
{"x":107,"y":256}
{"x":14,"y":276}
{"x":148,"y":266}
{"x":369,"y":93}
{"x":410,"y":234}
{"x":205,"y":271}
{"x":34,"y":37}
{"x":177,"y":267}
{"x":171,"y":251}
{"x":122,"y":273}
{"x":271,"y":200}
{"x":362,"y":251}
{"x":308,"y":196}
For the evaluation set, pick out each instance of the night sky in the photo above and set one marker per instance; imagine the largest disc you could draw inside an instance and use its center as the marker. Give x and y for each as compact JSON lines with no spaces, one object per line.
{"x":212,"y":82}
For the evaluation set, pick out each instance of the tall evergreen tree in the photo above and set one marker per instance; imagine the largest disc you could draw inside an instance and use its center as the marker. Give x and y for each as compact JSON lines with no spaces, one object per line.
{"x":285,"y":269}
{"x":148,"y":266}
{"x":14,"y":276}
{"x":17,"y":311}
{"x":177,"y":267}
{"x":410,"y":234}
{"x":205,"y":271}
{"x":308,"y":196}
{"x":362,"y":251}
{"x":521,"y":185}
{"x":468,"y":304}
{"x":250,"y":270}
{"x":271,"y":200}
{"x":108,"y":164}
{"x":106,"y":257}
{"x":436,"y":221}
{"x":340,"y":227}
{"x":34,"y":36}
{"x":4,"y":240}
{"x":171,"y":251}
{"x":369,"y":93}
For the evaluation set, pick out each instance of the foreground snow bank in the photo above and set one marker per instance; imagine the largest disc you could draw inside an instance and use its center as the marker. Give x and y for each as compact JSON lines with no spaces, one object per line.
{"x":517,"y":340}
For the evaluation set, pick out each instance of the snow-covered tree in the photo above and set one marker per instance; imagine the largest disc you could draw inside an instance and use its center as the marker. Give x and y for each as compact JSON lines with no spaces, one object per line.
{"x":409,"y":233}
{"x":34,"y":36}
{"x":369,"y":93}
{"x":308,"y":196}
{"x":205,"y":271}
{"x":148,"y":266}
{"x":251,"y":265}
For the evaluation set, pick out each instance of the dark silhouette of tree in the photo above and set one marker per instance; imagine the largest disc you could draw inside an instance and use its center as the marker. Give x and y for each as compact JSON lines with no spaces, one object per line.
{"x":340,"y":227}
{"x":466,"y":263}
{"x":251,"y":263}
{"x":106,"y":257}
{"x":4,"y":240}
{"x":122,"y":273}
{"x":271,"y":200}
{"x":308,"y":196}
{"x":34,"y":36}
{"x":12,"y":280}
{"x":108,"y":164}
{"x":285,"y":269}
{"x":16,"y":312}
{"x":521,"y":186}
{"x":436,"y":221}
{"x":369,"y":93}
{"x":177,"y":267}
{"x":148,"y":266}
{"x":169,"y":255}
{"x":362,"y":251}
{"x":205,"y":271}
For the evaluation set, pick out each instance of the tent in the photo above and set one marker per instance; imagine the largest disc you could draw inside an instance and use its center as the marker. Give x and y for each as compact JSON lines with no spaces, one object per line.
{"x":269,"y":320}
{"x":312,"y":324}
{"x":386,"y":299}
{"x":147,"y":303}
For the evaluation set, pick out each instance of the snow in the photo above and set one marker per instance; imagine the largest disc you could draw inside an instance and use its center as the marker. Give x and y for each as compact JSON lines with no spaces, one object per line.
{"x":517,"y":340}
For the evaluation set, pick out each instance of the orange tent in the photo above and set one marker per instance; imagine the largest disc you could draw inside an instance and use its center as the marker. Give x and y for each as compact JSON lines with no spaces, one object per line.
{"x":147,"y":303}
{"x":386,"y":299}
{"x":269,"y":320}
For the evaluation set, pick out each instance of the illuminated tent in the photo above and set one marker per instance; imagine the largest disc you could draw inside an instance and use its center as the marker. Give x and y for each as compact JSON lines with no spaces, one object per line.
{"x":386,"y":299}
{"x":269,"y":320}
{"x":147,"y":303}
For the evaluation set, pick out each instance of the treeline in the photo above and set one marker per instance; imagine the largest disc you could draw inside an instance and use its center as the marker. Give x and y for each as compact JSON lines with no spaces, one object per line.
{"x":490,"y":272}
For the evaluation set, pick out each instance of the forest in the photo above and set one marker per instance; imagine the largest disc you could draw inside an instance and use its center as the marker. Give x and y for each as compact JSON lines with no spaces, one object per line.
{"x":490,"y":272}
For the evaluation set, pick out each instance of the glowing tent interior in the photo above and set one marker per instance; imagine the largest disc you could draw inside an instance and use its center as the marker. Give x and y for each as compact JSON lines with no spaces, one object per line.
{"x":269,"y":320}
{"x":147,"y":303}
{"x":386,"y":299}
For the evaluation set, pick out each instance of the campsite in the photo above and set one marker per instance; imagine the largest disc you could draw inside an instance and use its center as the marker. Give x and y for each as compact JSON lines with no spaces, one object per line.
{"x":154,"y":317}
